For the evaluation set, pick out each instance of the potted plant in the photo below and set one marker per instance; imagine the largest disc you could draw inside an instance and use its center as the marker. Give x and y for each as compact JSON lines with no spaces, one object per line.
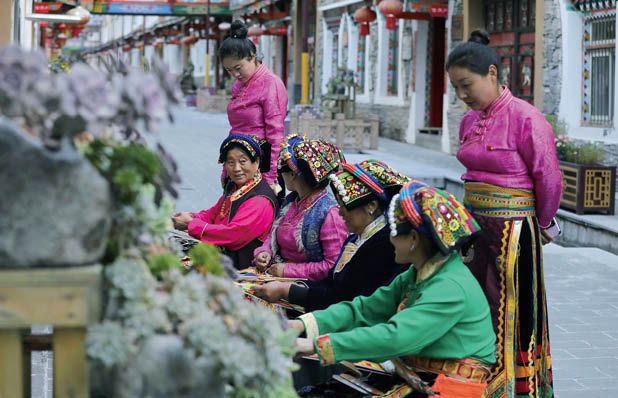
{"x":587,"y":185}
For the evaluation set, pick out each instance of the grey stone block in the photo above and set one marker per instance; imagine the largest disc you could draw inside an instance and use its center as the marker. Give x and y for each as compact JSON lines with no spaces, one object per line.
{"x":55,"y":206}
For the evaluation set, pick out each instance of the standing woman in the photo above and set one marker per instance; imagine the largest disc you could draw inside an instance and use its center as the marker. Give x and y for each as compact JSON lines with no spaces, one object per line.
{"x":513,"y":188}
{"x":259,"y":98}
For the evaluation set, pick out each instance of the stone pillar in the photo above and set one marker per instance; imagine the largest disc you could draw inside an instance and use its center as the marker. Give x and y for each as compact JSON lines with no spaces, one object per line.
{"x":552,"y":65}
{"x":539,"y":56}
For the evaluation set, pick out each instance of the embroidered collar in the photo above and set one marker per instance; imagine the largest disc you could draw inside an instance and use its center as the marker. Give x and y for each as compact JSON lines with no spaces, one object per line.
{"x":371,"y":230}
{"x":311,"y":199}
{"x":499,"y":103}
{"x":431,"y":266}
{"x":248,"y":186}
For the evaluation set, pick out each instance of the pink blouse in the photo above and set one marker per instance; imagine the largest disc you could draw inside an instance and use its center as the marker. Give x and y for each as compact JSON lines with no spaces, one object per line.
{"x":332,"y":235}
{"x":252,"y":220}
{"x":258,"y":107}
{"x":511,"y":144}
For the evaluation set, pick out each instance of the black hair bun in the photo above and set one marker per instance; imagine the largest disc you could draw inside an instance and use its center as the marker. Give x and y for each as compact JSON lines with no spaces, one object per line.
{"x":479,"y":36}
{"x":239,"y":30}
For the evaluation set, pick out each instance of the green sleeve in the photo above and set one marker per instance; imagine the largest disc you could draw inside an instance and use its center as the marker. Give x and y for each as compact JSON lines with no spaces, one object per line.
{"x":439,"y":307}
{"x":363,"y":311}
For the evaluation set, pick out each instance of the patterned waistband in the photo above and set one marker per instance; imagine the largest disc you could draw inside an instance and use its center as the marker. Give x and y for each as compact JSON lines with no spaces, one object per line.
{"x":494,"y":201}
{"x":461,"y":369}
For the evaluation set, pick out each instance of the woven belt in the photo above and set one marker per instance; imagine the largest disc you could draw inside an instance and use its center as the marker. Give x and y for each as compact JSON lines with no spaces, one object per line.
{"x":462,"y":369}
{"x":494,"y":201}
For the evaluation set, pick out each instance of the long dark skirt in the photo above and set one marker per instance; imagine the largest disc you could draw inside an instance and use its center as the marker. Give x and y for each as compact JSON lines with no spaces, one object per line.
{"x":507,"y":261}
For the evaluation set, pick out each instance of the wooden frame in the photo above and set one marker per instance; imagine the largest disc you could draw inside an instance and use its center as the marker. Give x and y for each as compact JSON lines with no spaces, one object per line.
{"x":588,"y":188}
{"x":67,"y":298}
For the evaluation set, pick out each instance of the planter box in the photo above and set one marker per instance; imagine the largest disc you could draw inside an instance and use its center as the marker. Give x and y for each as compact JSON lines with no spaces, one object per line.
{"x":588,"y":188}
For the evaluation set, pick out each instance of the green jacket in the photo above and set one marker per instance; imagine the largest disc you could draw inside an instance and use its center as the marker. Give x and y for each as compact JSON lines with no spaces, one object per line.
{"x":445,"y":315}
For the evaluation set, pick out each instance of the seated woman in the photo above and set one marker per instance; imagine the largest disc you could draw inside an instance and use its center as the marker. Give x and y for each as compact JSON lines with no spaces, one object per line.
{"x":434,"y":316}
{"x":367,"y":259}
{"x":309,"y":232}
{"x":241,"y":219}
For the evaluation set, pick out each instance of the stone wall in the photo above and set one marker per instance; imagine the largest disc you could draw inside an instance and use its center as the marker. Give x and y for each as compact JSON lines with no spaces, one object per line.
{"x":456,"y":109}
{"x":552,"y":52}
{"x":393,"y":119}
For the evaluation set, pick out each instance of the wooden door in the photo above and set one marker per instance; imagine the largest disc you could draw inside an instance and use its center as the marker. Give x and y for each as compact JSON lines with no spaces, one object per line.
{"x":510,"y":24}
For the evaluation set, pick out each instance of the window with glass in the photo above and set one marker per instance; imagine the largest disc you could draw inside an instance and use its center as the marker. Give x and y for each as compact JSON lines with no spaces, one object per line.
{"x":599,"y":69}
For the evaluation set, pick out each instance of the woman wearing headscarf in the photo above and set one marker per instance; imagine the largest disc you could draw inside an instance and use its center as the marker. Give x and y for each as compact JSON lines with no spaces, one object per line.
{"x":367,"y":259}
{"x":434,"y":317}
{"x":259,"y":97}
{"x":512,"y":187}
{"x":309,"y":232}
{"x":241,"y":219}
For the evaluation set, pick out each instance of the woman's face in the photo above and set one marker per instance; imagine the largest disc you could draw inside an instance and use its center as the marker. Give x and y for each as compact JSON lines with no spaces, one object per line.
{"x":289,"y":178}
{"x":240,"y":69}
{"x":239,"y":166}
{"x":356,"y":219}
{"x":478,"y":92}
{"x":403,"y":248}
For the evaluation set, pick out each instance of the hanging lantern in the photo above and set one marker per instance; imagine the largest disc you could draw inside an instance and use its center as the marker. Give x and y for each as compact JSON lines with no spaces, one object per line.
{"x":188,"y":40}
{"x":80,"y":12}
{"x":391,"y":10}
{"x":364,"y":16}
{"x":61,"y":39}
{"x":126,"y":48}
{"x":140,"y":45}
{"x":224,"y":26}
{"x":173,"y":41}
{"x":158,"y":42}
{"x":254,"y":32}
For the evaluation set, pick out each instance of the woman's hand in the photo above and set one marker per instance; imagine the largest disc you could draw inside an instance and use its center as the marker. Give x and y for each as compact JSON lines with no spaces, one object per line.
{"x":275,"y":187}
{"x":262,"y":260}
{"x":273,"y":291}
{"x":277,"y":270}
{"x":546,"y":237}
{"x":297,"y":324}
{"x":181,"y":220}
{"x":304,"y":347}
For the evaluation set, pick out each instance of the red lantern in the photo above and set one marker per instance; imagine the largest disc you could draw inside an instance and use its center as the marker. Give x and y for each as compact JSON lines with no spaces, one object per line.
{"x":158,"y":42}
{"x":173,"y":41}
{"x":188,"y":40}
{"x":391,"y":10}
{"x":139,"y":45}
{"x":254,"y":32}
{"x":364,"y":16}
{"x":126,"y":48}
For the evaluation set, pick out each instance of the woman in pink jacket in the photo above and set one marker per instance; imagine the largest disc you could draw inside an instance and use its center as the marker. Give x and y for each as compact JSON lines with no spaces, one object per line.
{"x":513,"y":188}
{"x":259,"y":98}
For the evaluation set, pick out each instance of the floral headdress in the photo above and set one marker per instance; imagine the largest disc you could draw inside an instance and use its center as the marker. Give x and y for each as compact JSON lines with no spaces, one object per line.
{"x":360,"y":181}
{"x":255,"y":146}
{"x":434,"y":213}
{"x":322,"y":158}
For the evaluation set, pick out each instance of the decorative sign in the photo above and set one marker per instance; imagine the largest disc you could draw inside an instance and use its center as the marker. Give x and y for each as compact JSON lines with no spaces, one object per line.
{"x":46,"y":8}
{"x":457,"y":28}
{"x":157,"y":7}
{"x":252,"y":5}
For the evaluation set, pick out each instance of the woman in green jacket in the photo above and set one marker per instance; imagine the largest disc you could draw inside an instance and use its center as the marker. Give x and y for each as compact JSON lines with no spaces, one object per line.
{"x":434,"y":316}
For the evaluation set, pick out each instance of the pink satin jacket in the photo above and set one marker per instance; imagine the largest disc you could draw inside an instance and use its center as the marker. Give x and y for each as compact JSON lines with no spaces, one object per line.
{"x":511,"y":144}
{"x":258,"y":107}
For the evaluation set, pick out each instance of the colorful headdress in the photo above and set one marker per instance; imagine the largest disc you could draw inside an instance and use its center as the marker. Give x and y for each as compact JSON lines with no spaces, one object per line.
{"x":322,"y":158}
{"x":434,"y":213}
{"x":255,"y":146}
{"x":363,"y":181}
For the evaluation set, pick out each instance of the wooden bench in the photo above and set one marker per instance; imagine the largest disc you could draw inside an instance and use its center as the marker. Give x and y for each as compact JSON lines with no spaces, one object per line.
{"x":69,"y":299}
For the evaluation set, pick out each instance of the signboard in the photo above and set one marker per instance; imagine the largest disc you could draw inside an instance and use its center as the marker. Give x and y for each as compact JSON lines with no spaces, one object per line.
{"x":46,"y":8}
{"x":255,"y":4}
{"x":157,"y":7}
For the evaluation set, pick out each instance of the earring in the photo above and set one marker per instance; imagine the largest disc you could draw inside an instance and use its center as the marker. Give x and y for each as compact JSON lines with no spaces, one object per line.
{"x":412,"y":248}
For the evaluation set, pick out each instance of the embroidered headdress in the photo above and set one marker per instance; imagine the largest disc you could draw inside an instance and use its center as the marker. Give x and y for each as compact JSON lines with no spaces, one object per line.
{"x":254,"y":146}
{"x":434,"y":213}
{"x":314,"y":156}
{"x":362,"y":182}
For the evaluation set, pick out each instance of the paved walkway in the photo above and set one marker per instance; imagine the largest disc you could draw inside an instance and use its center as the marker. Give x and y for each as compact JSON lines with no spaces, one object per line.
{"x":581,"y":283}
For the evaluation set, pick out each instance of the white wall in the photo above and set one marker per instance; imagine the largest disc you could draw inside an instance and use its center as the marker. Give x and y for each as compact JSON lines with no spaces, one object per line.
{"x":416,"y":117}
{"x":570,"y":108}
